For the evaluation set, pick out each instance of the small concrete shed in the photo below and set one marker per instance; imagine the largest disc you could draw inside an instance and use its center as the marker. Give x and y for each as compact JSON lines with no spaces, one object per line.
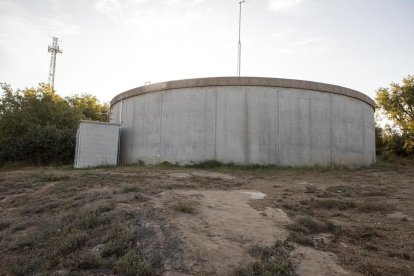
{"x":97,"y":144}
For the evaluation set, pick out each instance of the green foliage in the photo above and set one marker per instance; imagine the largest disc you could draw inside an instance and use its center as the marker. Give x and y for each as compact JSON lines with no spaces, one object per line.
{"x":397,"y":103}
{"x":89,"y":106}
{"x":38,"y":127}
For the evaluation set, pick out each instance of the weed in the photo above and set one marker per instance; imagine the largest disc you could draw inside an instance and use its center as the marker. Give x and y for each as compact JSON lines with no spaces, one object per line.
{"x":304,"y":227}
{"x":87,"y":220}
{"x":310,"y":189}
{"x":300,"y":238}
{"x":290,"y":206}
{"x":103,"y":207}
{"x":73,"y":241}
{"x":363,"y":234}
{"x":368,"y":269}
{"x":400,"y":254}
{"x":186,"y":206}
{"x":85,"y":261}
{"x":309,"y":225}
{"x":344,"y":190}
{"x":333,"y":204}
{"x":118,"y":241}
{"x":273,"y":260}
{"x":4,"y":225}
{"x":140,"y":197}
{"x":39,"y":208}
{"x":257,"y":267}
{"x":133,"y":264}
{"x":25,"y":266}
{"x":208,"y":164}
{"x":53,"y":177}
{"x":130,"y":189}
{"x":369,"y":206}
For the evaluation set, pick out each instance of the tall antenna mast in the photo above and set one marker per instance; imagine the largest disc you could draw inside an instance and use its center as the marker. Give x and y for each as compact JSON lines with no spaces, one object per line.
{"x":53,"y":50}
{"x":239,"y":52}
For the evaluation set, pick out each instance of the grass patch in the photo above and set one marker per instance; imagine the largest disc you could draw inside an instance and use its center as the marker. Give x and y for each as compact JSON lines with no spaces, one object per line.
{"x":25,"y":266}
{"x":118,"y":241}
{"x":400,"y":254}
{"x":347,"y":191}
{"x":73,"y":241}
{"x":369,"y":206}
{"x":273,"y":260}
{"x":140,"y":197}
{"x":310,"y":189}
{"x":133,"y":264}
{"x":300,"y":238}
{"x":39,"y":208}
{"x":332,"y":204}
{"x":86,"y":261}
{"x":4,"y":225}
{"x":304,"y":227}
{"x":186,"y":206}
{"x":363,"y":234}
{"x":130,"y":189}
{"x":91,"y":217}
{"x":53,"y":177}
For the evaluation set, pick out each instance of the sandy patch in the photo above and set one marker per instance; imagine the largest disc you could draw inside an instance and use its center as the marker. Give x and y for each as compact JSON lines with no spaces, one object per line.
{"x":216,"y":237}
{"x":312,"y":262}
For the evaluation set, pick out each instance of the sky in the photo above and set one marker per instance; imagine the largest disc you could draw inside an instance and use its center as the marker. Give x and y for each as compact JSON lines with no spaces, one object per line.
{"x":110,"y":46}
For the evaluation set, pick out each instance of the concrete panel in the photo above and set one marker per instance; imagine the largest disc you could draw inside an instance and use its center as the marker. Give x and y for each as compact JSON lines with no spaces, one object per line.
{"x":294,"y":128}
{"x":114,"y":114}
{"x":140,"y":132}
{"x":262,"y":122}
{"x":188,"y":126}
{"x":96,"y":144}
{"x":347,"y":131}
{"x":320,"y":129}
{"x":232,"y":125}
{"x":369,"y":135}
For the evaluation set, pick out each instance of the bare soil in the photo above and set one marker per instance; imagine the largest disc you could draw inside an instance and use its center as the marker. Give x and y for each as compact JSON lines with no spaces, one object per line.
{"x":228,"y":220}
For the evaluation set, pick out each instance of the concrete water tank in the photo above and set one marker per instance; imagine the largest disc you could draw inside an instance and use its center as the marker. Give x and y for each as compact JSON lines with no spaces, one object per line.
{"x":246,"y":120}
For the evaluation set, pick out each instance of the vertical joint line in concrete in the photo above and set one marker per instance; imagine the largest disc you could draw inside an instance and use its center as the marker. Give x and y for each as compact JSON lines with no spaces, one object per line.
{"x":278,"y":129}
{"x":160,"y":145}
{"x":364,"y":149}
{"x":310,"y":128}
{"x":330,"y":127}
{"x":215,"y":127}
{"x":246,"y":128}
{"x":120,"y":111}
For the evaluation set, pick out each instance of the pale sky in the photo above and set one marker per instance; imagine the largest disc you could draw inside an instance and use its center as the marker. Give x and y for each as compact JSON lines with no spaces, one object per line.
{"x":110,"y":46}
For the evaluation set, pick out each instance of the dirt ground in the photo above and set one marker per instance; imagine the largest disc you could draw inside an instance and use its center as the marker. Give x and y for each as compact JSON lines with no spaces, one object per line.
{"x":225,"y":220}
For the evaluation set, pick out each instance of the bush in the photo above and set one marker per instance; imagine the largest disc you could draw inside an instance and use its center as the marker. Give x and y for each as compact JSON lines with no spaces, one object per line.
{"x":38,"y":127}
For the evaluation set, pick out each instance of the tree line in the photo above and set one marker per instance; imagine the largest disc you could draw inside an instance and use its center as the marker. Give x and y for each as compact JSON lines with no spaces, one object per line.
{"x":38,"y":127}
{"x":396,"y":104}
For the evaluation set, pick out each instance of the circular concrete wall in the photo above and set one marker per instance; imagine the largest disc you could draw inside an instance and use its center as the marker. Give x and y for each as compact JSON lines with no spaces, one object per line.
{"x":247,"y":121}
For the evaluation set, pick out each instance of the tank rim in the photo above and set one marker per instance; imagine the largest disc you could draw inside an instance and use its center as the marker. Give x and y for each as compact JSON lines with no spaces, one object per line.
{"x":244,"y":81}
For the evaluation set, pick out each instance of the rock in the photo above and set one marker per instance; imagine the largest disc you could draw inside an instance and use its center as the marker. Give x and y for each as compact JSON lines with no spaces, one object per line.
{"x":310,"y":262}
{"x":399,"y":216}
{"x":323,"y":239}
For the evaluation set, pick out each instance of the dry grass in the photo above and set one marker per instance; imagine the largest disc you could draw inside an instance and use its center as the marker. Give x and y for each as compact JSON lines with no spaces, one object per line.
{"x":273,"y":260}
{"x":57,"y":221}
{"x":86,"y":222}
{"x":186,"y":206}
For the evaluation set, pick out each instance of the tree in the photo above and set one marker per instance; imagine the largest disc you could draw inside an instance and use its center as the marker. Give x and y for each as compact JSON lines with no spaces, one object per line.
{"x":38,"y":126}
{"x":397,"y":104}
{"x":89,"y":106}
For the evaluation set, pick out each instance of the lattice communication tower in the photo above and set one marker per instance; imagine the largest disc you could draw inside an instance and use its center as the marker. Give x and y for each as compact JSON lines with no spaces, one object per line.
{"x":53,"y":49}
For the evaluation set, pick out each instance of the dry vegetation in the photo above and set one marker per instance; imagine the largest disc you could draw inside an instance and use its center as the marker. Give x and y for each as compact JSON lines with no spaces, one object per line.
{"x":71,"y":222}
